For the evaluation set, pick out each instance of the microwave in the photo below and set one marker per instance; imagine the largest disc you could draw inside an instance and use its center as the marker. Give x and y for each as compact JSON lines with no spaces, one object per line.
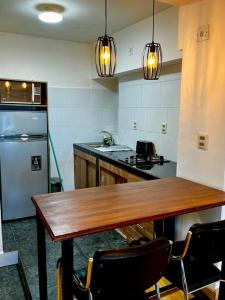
{"x":20,"y":92}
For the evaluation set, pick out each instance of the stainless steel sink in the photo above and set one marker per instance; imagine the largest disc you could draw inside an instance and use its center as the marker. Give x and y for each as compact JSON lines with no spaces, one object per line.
{"x":112,"y":148}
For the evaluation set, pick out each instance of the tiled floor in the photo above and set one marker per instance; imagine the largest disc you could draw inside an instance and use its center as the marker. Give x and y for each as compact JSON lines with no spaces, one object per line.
{"x":21,"y":236}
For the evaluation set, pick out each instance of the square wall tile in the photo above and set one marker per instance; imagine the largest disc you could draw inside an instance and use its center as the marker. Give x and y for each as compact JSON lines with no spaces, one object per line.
{"x":173,"y":120}
{"x":155,"y":118}
{"x":151,"y":95}
{"x":170,"y":93}
{"x":168,"y":146}
{"x":130,"y":96}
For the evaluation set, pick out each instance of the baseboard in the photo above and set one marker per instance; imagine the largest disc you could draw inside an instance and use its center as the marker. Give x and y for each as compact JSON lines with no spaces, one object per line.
{"x":211,"y":293}
{"x":8,"y":258}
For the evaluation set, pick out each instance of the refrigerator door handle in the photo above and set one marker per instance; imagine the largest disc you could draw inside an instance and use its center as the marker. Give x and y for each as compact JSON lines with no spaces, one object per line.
{"x":24,"y":137}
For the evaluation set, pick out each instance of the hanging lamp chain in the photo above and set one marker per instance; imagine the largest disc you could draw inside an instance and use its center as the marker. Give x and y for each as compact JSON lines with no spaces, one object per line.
{"x":153,"y":21}
{"x":106,"y":17}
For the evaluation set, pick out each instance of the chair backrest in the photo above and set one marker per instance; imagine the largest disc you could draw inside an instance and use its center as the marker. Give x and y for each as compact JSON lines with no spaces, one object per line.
{"x":127,"y":273}
{"x":207,"y":243}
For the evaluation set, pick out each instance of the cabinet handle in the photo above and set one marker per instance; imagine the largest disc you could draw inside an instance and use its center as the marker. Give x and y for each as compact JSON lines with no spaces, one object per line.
{"x":102,"y":180}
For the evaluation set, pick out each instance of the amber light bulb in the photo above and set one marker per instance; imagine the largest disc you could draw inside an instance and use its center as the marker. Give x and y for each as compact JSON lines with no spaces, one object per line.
{"x":24,"y":85}
{"x":105,"y":55}
{"x":7,"y":84}
{"x":152,"y":62}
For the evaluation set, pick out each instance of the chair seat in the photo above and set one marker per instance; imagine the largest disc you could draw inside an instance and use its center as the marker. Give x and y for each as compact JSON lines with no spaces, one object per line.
{"x":197,"y":274}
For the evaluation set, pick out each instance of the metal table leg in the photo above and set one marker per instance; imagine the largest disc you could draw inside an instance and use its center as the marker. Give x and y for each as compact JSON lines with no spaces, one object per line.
{"x":67,"y":269}
{"x":42,"y":260}
{"x":222,"y":284}
{"x":166,"y":228}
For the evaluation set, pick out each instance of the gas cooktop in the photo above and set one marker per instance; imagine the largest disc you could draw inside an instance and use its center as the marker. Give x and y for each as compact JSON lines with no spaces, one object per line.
{"x":144,"y":163}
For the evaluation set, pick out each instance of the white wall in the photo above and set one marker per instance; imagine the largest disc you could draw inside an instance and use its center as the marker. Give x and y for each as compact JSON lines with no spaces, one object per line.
{"x":150,"y":103}
{"x":137,"y":35}
{"x":58,"y":62}
{"x":202,"y":100}
{"x":78,"y":115}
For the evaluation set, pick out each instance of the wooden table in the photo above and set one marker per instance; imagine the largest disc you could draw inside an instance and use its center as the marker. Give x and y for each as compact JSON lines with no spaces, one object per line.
{"x":72,"y":214}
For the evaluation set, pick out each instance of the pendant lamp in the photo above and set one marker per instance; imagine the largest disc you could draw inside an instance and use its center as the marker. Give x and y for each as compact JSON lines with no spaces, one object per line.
{"x":105,"y":53}
{"x":152,"y":56}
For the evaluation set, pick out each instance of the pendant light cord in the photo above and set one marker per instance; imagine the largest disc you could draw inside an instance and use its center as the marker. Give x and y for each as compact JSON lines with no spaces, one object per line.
{"x":106,"y":17}
{"x":153,"y":22}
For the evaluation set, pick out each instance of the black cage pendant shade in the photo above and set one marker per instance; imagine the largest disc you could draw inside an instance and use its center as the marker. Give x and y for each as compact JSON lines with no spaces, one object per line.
{"x":152,"y":56}
{"x":105,"y":53}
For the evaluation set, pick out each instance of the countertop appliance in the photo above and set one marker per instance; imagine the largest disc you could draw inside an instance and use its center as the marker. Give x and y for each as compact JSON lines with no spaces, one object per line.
{"x":23,"y":161}
{"x":145,"y":148}
{"x":144,"y":162}
{"x":145,"y":156}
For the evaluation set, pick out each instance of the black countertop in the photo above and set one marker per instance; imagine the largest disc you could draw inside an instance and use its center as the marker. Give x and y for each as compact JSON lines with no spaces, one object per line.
{"x":157,"y":171}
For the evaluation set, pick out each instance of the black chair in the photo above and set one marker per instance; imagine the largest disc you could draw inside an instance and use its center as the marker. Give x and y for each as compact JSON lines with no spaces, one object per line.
{"x":124,"y":274}
{"x":191,"y":267}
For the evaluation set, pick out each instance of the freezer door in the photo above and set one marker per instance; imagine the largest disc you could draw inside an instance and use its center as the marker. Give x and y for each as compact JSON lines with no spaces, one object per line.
{"x":24,"y":173}
{"x":22,"y":122}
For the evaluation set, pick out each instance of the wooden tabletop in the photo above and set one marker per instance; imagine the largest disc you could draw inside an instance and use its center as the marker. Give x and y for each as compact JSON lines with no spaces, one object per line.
{"x":71,"y":214}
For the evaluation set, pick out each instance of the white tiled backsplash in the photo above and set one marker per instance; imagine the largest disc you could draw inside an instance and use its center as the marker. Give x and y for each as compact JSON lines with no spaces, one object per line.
{"x":150,"y":104}
{"x":78,"y":115}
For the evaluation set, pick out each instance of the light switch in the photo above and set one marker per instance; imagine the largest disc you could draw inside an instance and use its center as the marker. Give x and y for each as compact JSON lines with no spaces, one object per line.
{"x":203,"y":33}
{"x":203,"y":140}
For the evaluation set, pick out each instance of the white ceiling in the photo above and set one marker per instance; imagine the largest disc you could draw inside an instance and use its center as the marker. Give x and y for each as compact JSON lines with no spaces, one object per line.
{"x":83,"y":19}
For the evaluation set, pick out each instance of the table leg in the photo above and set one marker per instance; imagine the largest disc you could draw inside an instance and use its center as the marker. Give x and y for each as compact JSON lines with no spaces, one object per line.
{"x":222,"y":284}
{"x":67,"y":269}
{"x":42,"y":270}
{"x":166,"y":228}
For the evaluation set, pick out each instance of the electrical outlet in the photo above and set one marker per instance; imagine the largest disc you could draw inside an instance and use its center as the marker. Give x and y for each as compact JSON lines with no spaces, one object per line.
{"x":203,"y":140}
{"x":134,"y":125}
{"x":164,"y":128}
{"x":203,"y":33}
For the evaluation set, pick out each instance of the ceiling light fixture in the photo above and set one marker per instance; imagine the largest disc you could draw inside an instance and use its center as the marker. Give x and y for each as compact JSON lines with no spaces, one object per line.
{"x":152,"y":56}
{"x":50,"y":13}
{"x":105,"y":53}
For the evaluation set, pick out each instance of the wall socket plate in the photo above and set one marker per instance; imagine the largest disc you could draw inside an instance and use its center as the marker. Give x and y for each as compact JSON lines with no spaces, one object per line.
{"x":134,"y":125}
{"x":203,"y":141}
{"x":164,"y":128}
{"x":203,"y":33}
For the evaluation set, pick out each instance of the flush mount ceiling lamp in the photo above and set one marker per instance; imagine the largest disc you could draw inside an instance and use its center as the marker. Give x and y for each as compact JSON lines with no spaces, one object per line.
{"x":50,"y":13}
{"x":105,"y":53}
{"x":152,"y":56}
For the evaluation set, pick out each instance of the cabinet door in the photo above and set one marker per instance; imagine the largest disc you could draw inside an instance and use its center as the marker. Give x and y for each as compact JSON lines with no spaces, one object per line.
{"x":106,"y":177}
{"x":91,"y":174}
{"x":80,"y":175}
{"x":109,"y":178}
{"x":84,"y":170}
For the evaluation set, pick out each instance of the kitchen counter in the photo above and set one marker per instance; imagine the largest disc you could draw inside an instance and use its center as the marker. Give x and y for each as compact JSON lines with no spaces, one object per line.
{"x":156,"y":172}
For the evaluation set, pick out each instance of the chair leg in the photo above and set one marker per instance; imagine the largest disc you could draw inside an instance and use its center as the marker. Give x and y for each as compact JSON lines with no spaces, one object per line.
{"x":157,"y":291}
{"x":184,"y":281}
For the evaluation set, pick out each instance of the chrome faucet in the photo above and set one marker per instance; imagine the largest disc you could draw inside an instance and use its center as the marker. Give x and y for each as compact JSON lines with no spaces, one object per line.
{"x":109,"y":140}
